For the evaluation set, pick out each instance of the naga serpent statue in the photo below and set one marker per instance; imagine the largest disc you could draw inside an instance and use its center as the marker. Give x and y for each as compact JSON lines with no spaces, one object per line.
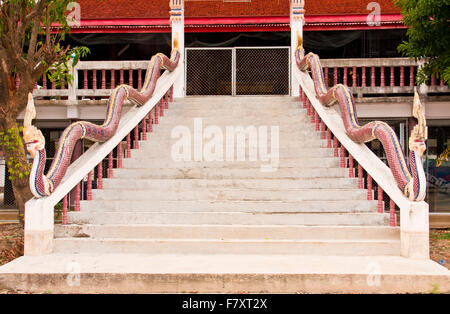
{"x":411,"y":181}
{"x":44,"y":184}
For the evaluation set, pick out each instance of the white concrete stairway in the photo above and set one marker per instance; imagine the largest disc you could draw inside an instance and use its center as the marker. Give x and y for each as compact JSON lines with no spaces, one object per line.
{"x":156,"y":205}
{"x":225,"y":226}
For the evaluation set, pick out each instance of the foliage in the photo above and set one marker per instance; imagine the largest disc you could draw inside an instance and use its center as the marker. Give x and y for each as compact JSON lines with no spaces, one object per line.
{"x":12,"y":142}
{"x":32,"y":34}
{"x":428,"y":36}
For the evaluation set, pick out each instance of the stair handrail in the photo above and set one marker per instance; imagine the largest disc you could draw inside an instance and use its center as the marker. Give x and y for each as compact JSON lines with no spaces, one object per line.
{"x":39,"y":212}
{"x":414,"y":224}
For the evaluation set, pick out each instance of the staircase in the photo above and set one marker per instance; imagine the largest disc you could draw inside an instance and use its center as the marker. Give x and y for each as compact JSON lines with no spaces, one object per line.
{"x":160,"y":225}
{"x":156,"y":205}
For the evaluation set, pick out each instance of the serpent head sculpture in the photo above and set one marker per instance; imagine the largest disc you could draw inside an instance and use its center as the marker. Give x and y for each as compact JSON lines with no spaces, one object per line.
{"x":410,"y":179}
{"x":44,"y":184}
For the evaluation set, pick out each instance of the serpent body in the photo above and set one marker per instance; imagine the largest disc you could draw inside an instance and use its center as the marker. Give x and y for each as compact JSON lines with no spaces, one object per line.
{"x":44,"y":184}
{"x":411,"y":180}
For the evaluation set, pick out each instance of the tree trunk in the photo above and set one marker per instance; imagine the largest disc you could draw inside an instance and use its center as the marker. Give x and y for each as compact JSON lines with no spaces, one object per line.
{"x":15,"y":158}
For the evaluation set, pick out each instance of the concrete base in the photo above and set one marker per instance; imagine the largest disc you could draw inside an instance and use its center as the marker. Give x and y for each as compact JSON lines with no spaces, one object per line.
{"x":38,"y":242}
{"x":139,"y":273}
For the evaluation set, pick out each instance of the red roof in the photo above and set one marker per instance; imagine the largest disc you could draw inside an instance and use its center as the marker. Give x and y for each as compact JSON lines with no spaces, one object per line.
{"x":225,"y":15}
{"x":112,"y":9}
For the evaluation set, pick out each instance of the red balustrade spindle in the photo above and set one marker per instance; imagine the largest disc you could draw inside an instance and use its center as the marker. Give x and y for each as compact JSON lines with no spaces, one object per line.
{"x":335,"y":72}
{"x":136,"y":137}
{"x":113,"y":79}
{"x":103,"y":79}
{"x":300,"y":93}
{"x":351,"y":172}
{"x":328,"y":138}
{"x":150,"y":121}
{"x":392,"y":76}
{"x":166,"y":100}
{"x":411,"y":76}
{"x":94,"y":79}
{"x":360,"y":177}
{"x":77,"y":196}
{"x":354,"y":82}
{"x":369,"y":188}
{"x":100,"y":175}
{"x":304,"y":98}
{"x":110,"y":164}
{"x":85,"y":79}
{"x":313,"y":113}
{"x":380,"y":200}
{"x":119,"y":155}
{"x":402,"y":76}
{"x":140,"y":78}
{"x":317,"y":121}
{"x":64,"y":210}
{"x":391,"y":213}
{"x":128,"y":155}
{"x":433,"y":80}
{"x":372,"y":76}
{"x":326,"y":77}
{"x":161,"y":107}
{"x":89,"y":187}
{"x":171,"y":94}
{"x":345,"y":75}
{"x":156,"y":113}
{"x":323,"y":135}
{"x":364,"y":82}
{"x":144,"y":129}
{"x":342,"y":156}
{"x":383,"y":79}
{"x":121,"y":77}
{"x":44,"y":81}
{"x":336,"y":147}
{"x":130,"y":77}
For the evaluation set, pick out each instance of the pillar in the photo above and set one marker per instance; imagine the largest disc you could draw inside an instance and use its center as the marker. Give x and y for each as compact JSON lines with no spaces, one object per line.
{"x":297,"y":19}
{"x":177,"y":21}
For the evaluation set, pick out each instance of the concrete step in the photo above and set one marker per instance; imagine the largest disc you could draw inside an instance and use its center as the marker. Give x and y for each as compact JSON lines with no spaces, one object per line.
{"x":227,"y":246}
{"x":193,"y":184}
{"x":163,"y":132}
{"x":141,"y":162}
{"x":318,"y":206}
{"x":229,"y":218}
{"x":189,"y":112}
{"x":230,"y":173}
{"x":231,"y":194}
{"x":158,"y":152}
{"x":177,"y":273}
{"x":225,"y":232}
{"x":307,"y":142}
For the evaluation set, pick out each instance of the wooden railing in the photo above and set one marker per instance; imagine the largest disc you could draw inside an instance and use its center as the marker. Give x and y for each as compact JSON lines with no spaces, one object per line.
{"x":378,"y":76}
{"x":365,"y":77}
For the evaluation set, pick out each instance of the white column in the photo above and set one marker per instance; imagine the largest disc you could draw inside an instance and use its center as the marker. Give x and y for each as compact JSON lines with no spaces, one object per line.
{"x":297,"y":19}
{"x":177,"y":21}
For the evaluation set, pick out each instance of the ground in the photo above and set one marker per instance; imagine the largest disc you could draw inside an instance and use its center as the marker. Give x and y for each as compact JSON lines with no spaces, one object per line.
{"x":11,"y":246}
